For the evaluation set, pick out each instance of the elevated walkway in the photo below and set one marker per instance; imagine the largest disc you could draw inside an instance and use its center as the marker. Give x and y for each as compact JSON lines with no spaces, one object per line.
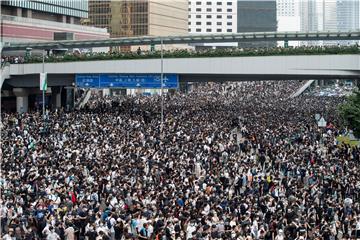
{"x":302,"y":89}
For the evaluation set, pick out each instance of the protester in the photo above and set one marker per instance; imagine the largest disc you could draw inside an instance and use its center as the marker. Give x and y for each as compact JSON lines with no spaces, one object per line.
{"x":233,"y":161}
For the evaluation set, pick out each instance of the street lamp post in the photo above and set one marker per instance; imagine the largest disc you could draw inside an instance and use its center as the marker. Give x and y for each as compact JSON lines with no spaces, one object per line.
{"x":162,"y":85}
{"x":43,"y":88}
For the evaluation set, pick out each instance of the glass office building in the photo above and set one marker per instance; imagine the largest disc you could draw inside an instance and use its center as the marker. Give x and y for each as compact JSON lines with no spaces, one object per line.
{"x":139,"y":18}
{"x":126,"y":18}
{"x":257,"y":16}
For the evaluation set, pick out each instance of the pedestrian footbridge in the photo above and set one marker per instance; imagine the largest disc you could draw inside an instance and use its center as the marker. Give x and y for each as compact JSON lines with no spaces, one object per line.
{"x":197,"y":69}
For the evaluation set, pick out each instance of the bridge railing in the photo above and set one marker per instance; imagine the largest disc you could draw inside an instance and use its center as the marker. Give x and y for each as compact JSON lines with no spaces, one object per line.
{"x":183,"y":53}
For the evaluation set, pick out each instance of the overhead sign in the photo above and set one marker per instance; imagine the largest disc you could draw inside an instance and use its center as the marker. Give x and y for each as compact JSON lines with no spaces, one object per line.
{"x":126,"y":81}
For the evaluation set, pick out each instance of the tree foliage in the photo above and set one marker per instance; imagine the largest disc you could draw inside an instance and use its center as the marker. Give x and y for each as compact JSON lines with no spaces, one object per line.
{"x":186,"y":53}
{"x":350,"y":112}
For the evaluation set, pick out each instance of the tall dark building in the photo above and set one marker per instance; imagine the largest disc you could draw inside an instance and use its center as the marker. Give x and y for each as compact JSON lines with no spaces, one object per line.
{"x":256,"y":16}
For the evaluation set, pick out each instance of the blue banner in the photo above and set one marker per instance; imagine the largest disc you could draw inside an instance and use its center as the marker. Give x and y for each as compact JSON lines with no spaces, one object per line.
{"x":126,"y":81}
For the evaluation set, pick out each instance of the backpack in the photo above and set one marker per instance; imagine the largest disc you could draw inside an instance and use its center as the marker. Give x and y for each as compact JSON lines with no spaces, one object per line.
{"x":108,"y":223}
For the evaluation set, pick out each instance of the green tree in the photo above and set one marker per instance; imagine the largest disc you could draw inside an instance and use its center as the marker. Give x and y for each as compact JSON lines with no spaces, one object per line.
{"x":350,"y":112}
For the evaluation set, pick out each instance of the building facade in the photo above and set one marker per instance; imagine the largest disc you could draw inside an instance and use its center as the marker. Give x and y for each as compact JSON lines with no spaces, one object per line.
{"x":213,"y":17}
{"x":52,"y":10}
{"x":126,"y":18}
{"x":329,"y":15}
{"x":40,"y":20}
{"x":256,"y":16}
{"x":288,"y":18}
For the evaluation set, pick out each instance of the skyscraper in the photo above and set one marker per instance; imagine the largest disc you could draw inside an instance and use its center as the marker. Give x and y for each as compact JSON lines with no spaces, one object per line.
{"x":329,"y":15}
{"x":309,"y":15}
{"x":257,"y":16}
{"x":140,"y":17}
{"x":348,"y":15}
{"x":288,"y":17}
{"x":206,"y":17}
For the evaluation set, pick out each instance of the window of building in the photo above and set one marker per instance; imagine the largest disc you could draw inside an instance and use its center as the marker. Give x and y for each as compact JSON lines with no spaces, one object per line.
{"x":229,"y":10}
{"x":208,"y":23}
{"x":219,"y":23}
{"x":229,"y":23}
{"x":218,"y":30}
{"x":218,"y":16}
{"x":208,"y":30}
{"x":189,"y":2}
{"x":189,"y":30}
{"x":198,"y":16}
{"x":208,"y":3}
{"x":229,"y":16}
{"x":198,"y":3}
{"x":229,"y":3}
{"x":218,"y":9}
{"x":198,"y":9}
{"x":198,"y":23}
{"x":229,"y":30}
{"x":189,"y":9}
{"x":198,"y":30}
{"x":208,"y":9}
{"x":219,"y":3}
{"x":189,"y":23}
{"x":208,"y":16}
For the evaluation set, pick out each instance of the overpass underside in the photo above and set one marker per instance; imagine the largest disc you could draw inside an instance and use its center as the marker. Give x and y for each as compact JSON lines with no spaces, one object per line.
{"x":63,"y":80}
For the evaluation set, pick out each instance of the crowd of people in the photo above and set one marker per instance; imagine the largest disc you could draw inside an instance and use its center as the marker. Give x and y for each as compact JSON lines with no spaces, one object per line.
{"x":77,"y":55}
{"x":12,"y":59}
{"x":232,"y":161}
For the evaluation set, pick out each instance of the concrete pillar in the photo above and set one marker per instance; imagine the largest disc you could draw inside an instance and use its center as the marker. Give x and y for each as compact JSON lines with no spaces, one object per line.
{"x":72,"y":20}
{"x":19,"y":12}
{"x":64,"y":18}
{"x":106,"y":92}
{"x":70,"y":99}
{"x":22,"y":99}
{"x":58,"y":100}
{"x":56,"y":97}
{"x":29,"y":13}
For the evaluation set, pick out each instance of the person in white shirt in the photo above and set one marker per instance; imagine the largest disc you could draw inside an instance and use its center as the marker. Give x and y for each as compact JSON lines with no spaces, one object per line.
{"x":52,"y":235}
{"x":190,"y":230}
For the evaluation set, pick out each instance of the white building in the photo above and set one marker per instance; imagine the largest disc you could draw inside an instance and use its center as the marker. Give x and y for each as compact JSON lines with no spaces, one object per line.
{"x":213,"y":17}
{"x":288,"y":16}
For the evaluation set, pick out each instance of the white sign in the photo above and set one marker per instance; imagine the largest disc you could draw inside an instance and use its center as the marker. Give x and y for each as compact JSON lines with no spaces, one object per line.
{"x":317,"y":117}
{"x":43,"y":81}
{"x":322,"y":122}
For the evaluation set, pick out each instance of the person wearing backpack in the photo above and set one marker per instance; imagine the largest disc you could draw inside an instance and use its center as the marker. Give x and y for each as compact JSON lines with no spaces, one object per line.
{"x":110,"y":222}
{"x":144,"y":232}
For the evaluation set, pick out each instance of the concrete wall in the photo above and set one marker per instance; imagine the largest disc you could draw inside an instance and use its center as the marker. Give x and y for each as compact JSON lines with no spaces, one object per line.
{"x":333,"y":65}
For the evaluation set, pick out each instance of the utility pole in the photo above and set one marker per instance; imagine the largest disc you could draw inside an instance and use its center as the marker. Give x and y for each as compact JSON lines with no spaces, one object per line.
{"x":44,"y":83}
{"x":162,"y":85}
